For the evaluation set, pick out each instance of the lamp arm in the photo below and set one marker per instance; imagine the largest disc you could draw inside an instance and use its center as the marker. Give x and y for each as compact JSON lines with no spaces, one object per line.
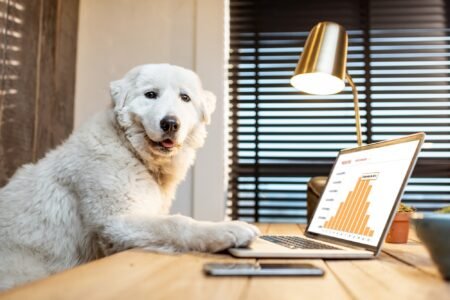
{"x":356,"y":107}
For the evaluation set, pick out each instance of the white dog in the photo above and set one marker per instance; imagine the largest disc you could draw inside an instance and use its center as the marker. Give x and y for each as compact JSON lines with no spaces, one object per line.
{"x":109,"y":187}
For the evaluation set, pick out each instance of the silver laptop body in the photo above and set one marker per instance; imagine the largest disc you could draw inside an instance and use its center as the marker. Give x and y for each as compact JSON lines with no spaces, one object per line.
{"x":355,"y":211}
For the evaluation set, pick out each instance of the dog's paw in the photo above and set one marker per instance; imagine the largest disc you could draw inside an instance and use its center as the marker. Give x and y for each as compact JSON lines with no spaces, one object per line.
{"x":224,"y":235}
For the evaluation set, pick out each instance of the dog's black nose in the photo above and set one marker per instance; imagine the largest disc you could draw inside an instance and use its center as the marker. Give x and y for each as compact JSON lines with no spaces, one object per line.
{"x":170,"y":124}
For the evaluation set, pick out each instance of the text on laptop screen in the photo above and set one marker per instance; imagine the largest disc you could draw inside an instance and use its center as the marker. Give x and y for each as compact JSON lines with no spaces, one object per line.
{"x":361,"y":192}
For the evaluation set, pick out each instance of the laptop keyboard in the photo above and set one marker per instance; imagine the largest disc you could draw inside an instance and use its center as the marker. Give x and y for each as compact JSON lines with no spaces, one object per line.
{"x":295,"y":242}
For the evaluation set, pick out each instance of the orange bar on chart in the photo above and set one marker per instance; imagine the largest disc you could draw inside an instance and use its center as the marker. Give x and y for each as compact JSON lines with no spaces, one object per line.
{"x":362,"y":210}
{"x":330,"y":222}
{"x":352,"y":214}
{"x":356,"y":201}
{"x":366,"y":231}
{"x":333,"y":222}
{"x":340,"y":216}
{"x":364,"y":224}
{"x":348,"y":204}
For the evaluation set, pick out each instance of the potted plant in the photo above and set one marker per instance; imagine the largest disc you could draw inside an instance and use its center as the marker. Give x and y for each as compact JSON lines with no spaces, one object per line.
{"x":400,"y":226}
{"x":444,"y":210}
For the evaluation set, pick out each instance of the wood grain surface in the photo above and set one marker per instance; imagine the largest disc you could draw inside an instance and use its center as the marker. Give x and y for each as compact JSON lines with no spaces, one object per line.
{"x":401,"y":272}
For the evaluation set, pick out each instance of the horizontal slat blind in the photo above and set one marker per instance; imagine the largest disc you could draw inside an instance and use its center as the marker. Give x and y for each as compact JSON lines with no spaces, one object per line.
{"x":279,"y":137}
{"x":409,"y":88}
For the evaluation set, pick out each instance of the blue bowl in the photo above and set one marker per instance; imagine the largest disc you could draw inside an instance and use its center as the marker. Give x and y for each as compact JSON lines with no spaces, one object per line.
{"x":433,"y":229}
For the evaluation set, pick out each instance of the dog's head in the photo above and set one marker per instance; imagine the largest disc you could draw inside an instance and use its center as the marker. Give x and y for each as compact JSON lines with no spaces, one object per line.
{"x":162,"y":108}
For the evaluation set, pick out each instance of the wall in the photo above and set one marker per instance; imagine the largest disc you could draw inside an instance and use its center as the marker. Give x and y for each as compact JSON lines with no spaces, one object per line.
{"x":115,"y":35}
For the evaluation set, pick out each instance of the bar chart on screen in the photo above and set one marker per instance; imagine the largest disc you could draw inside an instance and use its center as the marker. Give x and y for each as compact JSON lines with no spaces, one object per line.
{"x":361,"y":192}
{"x":352,"y":215}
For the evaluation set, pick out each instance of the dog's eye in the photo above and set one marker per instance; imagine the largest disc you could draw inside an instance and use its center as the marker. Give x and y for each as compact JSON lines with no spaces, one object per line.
{"x":151,"y":95}
{"x":185,"y":98}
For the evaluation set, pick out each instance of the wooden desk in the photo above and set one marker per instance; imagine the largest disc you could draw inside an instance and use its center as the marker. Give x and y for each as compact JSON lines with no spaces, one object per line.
{"x":401,"y":272}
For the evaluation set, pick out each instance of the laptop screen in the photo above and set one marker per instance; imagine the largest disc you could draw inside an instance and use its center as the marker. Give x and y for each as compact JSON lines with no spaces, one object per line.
{"x":362,"y":191}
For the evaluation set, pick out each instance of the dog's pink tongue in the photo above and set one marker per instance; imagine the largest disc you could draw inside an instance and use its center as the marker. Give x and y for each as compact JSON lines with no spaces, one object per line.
{"x":168,"y":143}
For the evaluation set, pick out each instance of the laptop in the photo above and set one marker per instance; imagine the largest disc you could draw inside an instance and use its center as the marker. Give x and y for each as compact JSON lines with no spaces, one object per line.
{"x":356,"y":208}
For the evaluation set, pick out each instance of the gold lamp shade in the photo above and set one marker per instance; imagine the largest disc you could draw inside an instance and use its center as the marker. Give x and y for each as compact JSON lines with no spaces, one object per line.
{"x":321,"y":69}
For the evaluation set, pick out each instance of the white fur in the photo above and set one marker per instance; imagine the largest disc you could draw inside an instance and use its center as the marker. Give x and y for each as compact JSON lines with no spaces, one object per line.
{"x":108,"y":188}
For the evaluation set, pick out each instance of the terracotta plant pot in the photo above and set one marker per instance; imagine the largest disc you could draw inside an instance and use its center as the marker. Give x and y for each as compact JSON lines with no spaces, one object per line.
{"x":398,"y":233}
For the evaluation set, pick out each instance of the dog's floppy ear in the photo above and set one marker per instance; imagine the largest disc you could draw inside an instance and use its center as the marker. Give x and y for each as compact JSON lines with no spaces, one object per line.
{"x":118,"y":93}
{"x":208,"y":106}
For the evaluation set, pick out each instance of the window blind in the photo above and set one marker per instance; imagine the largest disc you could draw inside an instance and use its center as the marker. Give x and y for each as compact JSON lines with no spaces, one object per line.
{"x":279,"y":138}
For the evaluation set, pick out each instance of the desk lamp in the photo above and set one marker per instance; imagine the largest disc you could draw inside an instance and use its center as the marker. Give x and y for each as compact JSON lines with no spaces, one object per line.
{"x":321,"y":69}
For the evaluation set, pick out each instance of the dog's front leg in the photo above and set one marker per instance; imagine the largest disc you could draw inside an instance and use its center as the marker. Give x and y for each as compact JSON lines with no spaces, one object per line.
{"x":174,"y":234}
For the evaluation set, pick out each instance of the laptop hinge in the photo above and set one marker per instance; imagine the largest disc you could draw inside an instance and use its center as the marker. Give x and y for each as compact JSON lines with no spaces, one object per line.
{"x":338,"y":242}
